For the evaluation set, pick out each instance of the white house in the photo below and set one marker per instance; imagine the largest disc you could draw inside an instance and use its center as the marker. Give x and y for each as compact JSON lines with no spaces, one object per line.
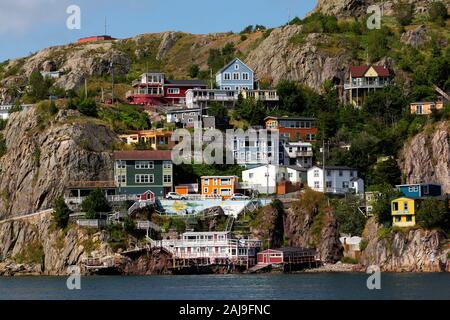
{"x":339,"y":180}
{"x":265,"y":178}
{"x":299,"y":153}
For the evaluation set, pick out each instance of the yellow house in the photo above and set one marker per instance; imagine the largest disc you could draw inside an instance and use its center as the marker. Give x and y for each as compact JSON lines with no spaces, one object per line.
{"x":404,"y":212}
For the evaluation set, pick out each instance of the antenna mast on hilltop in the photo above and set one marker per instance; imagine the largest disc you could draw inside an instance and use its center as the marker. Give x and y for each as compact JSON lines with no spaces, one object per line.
{"x":106,"y":26}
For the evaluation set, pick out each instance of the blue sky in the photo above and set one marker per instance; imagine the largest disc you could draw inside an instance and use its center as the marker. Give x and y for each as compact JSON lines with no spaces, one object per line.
{"x":30,"y":25}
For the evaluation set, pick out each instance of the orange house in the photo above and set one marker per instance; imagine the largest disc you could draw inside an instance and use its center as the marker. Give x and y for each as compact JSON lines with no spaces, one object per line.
{"x":219,"y":186}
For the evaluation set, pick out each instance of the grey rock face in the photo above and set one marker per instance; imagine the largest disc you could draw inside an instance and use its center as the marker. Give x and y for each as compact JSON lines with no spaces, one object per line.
{"x":39,"y":165}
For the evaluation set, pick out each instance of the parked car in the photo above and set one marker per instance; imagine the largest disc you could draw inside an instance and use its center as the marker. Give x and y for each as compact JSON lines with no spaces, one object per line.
{"x":239,"y":196}
{"x":175,"y":196}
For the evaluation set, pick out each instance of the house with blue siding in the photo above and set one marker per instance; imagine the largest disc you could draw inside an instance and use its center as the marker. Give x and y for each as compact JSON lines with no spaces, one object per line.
{"x":421,"y":190}
{"x":235,"y":76}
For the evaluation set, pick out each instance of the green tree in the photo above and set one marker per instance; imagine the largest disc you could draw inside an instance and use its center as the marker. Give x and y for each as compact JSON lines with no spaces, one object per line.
{"x":438,"y":12}
{"x":88,"y":107}
{"x":218,"y":110}
{"x":61,"y":212}
{"x":382,"y":207}
{"x":193,"y":71}
{"x":39,"y":87}
{"x":349,"y":218}
{"x":433,"y":213}
{"x":404,"y":12}
{"x":291,"y":96}
{"x":3,"y":148}
{"x":95,"y":202}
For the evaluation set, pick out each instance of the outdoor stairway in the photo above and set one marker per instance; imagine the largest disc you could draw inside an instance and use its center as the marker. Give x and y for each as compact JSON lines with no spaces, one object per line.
{"x":230,"y":222}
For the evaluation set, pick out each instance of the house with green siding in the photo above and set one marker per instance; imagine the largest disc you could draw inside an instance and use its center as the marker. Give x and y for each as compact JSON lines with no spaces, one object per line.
{"x":136,"y":172}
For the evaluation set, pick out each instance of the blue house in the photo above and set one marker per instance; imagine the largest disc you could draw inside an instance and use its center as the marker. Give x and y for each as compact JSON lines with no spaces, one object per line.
{"x":235,"y":76}
{"x":422,"y":190}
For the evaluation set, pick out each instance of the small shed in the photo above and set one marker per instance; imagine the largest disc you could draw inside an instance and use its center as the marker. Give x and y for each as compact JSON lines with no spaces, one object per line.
{"x":287,"y":255}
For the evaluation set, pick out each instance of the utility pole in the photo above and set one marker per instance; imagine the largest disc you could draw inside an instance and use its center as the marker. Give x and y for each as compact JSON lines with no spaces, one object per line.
{"x":112,"y":79}
{"x":85,"y":88}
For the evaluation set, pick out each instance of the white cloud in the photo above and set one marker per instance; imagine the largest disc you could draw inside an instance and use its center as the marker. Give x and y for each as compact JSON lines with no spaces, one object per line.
{"x":21,"y":16}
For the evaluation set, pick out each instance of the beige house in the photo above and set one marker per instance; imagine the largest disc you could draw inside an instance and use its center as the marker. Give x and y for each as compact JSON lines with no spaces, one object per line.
{"x":426,"y":108}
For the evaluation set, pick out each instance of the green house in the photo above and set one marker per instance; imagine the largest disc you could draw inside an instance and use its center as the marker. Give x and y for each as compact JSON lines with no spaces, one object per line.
{"x":136,"y":172}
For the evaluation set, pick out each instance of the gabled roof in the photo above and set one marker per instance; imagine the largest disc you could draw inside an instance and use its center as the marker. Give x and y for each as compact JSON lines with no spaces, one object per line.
{"x":233,"y":61}
{"x":143,"y":155}
{"x":360,"y":71}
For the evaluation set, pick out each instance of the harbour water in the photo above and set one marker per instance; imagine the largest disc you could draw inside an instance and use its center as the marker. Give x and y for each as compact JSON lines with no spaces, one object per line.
{"x":334,"y":286}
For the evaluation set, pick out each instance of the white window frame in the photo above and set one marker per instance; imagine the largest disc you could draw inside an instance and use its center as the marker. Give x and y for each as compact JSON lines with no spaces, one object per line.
{"x":142,"y":165}
{"x":245,"y":76}
{"x":121,"y":178}
{"x":167,"y":178}
{"x":236,"y":66}
{"x":144,"y":179}
{"x":173,"y":91}
{"x":236,"y":76}
{"x":167,"y":165}
{"x":227,"y":76}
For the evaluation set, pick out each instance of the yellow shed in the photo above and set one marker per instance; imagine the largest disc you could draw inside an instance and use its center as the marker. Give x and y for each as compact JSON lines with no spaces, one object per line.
{"x":404,"y":212}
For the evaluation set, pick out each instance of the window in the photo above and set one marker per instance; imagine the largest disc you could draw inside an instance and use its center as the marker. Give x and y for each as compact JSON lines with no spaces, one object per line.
{"x":341,"y":173}
{"x":144,"y":178}
{"x":236,"y":66}
{"x":144,"y":165}
{"x":316,"y":185}
{"x":395,"y":206}
{"x":251,"y":175}
{"x":316,"y":173}
{"x":408,"y":219}
{"x":121,"y":165}
{"x":205,"y":190}
{"x":227,"y":88}
{"x":329,"y":184}
{"x":345,"y":185}
{"x":167,"y":178}
{"x":236,"y":76}
{"x":121,"y":179}
{"x":227,"y":76}
{"x":167,"y":165}
{"x":245,"y":76}
{"x":329,"y":173}
{"x":173,"y":91}
{"x":426,"y":189}
{"x":405,"y":206}
{"x":398,"y":219}
{"x":206,"y":182}
{"x":413,"y":189}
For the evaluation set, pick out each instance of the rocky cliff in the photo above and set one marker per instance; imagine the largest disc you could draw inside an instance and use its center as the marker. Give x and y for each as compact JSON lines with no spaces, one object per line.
{"x":299,"y":224}
{"x":45,"y":154}
{"x":411,"y":250}
{"x":279,"y":57}
{"x":34,"y":247}
{"x":358,"y":8}
{"x":426,"y":157}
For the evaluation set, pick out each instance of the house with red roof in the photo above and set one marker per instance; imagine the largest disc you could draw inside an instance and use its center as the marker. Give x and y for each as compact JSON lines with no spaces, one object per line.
{"x":364,"y":80}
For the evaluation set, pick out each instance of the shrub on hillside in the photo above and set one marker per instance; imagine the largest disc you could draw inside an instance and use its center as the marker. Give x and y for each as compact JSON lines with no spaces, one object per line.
{"x":61,"y":213}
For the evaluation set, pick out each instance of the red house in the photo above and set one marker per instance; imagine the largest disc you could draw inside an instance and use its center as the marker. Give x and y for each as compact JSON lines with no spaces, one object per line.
{"x":95,"y":38}
{"x":293,"y":128}
{"x":287,"y":256}
{"x":154,"y":90}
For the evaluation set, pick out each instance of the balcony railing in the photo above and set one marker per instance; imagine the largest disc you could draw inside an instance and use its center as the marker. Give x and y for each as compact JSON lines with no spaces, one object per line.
{"x":300,"y":154}
{"x":366,"y":84}
{"x":145,"y":91}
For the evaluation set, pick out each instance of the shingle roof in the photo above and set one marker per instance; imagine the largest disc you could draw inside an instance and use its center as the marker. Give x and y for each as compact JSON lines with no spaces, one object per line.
{"x":143,"y":155}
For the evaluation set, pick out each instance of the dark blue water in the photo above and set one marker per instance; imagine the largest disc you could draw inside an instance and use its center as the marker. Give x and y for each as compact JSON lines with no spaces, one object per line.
{"x":226,"y":287}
